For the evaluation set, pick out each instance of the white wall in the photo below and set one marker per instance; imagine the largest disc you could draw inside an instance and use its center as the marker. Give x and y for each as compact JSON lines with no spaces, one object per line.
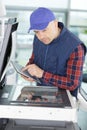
{"x":79,"y":4}
{"x":37,"y":3}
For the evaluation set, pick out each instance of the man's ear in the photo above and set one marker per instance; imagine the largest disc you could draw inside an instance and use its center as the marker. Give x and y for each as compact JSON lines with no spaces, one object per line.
{"x":56,"y":23}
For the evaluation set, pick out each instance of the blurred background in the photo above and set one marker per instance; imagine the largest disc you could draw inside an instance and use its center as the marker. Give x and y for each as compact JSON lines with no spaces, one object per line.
{"x":73,"y":13}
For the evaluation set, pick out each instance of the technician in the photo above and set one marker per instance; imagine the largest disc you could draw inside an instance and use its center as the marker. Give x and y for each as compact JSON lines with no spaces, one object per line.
{"x":58,"y":55}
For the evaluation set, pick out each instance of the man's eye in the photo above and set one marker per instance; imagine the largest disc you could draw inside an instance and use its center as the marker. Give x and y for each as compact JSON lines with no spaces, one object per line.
{"x":44,"y":30}
{"x":36,"y":31}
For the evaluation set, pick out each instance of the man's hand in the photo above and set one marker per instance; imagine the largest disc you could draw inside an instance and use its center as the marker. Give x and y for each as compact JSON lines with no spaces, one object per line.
{"x":34,"y":70}
{"x":28,"y":79}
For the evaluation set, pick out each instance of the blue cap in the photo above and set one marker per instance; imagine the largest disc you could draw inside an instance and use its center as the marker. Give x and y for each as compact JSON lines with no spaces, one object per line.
{"x":40,"y":18}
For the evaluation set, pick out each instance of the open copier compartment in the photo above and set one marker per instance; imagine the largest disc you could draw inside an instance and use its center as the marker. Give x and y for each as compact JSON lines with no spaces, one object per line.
{"x":35,"y":108}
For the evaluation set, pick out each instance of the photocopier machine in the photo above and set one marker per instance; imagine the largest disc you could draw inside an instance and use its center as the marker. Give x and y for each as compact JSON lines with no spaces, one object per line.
{"x":25,"y":107}
{"x":28,"y":107}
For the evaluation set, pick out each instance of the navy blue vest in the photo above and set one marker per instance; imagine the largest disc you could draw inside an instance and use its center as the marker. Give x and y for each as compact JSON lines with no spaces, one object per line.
{"x":53,"y":57}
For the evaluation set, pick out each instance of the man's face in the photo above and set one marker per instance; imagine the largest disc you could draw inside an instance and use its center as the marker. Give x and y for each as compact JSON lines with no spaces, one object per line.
{"x":48,"y":34}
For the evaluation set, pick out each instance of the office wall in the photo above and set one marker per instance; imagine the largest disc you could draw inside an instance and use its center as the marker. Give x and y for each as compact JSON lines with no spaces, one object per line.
{"x":36,"y":3}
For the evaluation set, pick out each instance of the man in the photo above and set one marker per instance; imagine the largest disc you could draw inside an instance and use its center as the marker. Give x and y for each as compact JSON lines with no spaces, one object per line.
{"x":58,"y":55}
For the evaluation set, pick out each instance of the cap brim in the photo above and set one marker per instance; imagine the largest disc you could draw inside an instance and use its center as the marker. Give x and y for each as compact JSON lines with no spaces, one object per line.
{"x":41,"y":26}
